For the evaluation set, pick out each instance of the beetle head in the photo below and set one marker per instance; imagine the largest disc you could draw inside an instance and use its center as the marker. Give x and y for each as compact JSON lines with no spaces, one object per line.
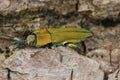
{"x":27,"y":33}
{"x":31,"y":39}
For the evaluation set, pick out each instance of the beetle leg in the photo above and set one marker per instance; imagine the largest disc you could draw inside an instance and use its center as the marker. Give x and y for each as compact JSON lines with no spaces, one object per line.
{"x":69,"y":44}
{"x":50,"y":45}
{"x":58,"y":44}
{"x":65,"y":43}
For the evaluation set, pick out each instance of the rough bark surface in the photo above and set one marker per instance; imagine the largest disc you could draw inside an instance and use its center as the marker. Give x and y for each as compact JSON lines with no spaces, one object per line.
{"x":57,"y":64}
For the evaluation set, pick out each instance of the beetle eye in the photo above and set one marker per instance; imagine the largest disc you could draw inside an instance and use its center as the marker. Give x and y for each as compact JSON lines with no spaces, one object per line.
{"x":27,"y":33}
{"x":30,"y":40}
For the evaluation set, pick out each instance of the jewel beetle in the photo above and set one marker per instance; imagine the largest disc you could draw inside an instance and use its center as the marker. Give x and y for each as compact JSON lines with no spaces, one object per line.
{"x":56,"y":36}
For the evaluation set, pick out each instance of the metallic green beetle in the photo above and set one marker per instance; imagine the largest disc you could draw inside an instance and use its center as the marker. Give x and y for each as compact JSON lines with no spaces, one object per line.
{"x":56,"y":36}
